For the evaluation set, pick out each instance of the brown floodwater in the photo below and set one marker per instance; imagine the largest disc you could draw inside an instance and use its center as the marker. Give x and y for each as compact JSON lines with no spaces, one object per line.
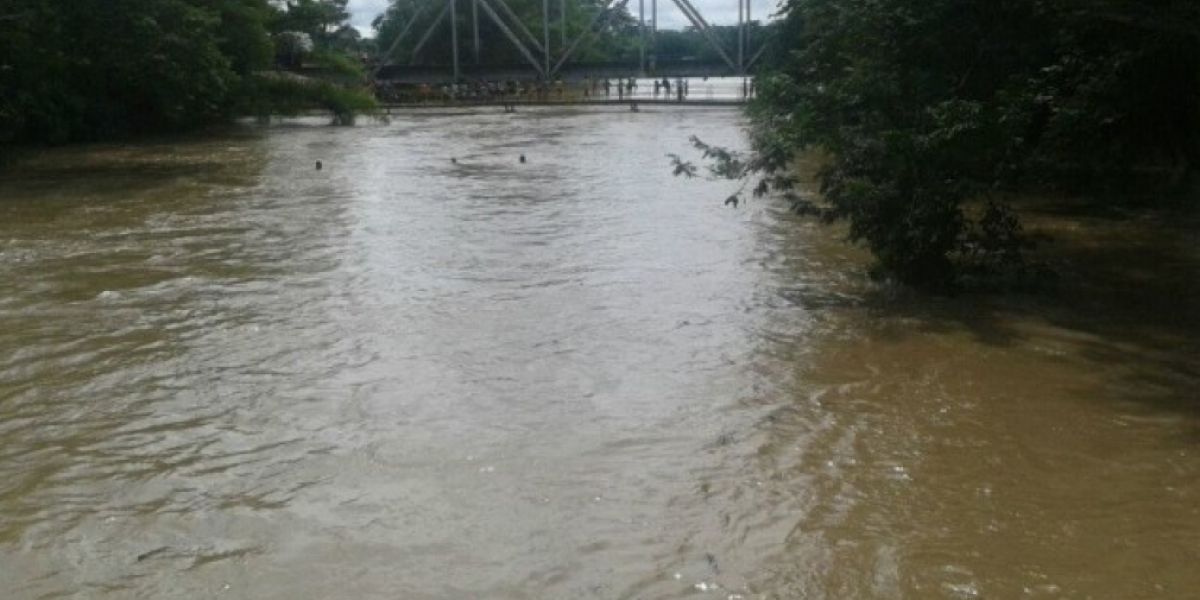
{"x":225,"y":374}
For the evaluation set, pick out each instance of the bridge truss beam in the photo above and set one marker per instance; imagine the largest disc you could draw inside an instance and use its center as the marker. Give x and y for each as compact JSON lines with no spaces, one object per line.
{"x":512,"y":37}
{"x":587,"y":32}
{"x":506,"y":20}
{"x":475,"y":27}
{"x":512,"y":16}
{"x":400,"y":37}
{"x":698,"y":21}
{"x":429,"y":33}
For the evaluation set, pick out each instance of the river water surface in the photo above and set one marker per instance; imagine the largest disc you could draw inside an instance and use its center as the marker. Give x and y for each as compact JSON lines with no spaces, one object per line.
{"x":224,"y":374}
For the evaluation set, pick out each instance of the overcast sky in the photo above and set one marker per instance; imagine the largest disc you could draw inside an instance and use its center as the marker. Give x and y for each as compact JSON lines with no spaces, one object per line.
{"x":716,"y":12}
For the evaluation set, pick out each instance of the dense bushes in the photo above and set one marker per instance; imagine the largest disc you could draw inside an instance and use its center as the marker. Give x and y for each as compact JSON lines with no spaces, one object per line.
{"x":92,"y":70}
{"x":97,"y":69}
{"x":925,"y":108}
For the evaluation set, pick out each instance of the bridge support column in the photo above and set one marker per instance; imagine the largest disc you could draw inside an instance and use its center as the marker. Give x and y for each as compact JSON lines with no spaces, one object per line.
{"x":454,"y":36}
{"x":642,"y":36}
{"x":746,"y":38}
{"x":741,"y":39}
{"x":475,"y":26}
{"x":653,"y":34}
{"x":546,"y":35}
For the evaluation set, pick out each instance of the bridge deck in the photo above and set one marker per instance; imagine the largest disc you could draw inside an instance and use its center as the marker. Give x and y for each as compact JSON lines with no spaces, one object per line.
{"x":401,"y":106}
{"x":437,"y":74}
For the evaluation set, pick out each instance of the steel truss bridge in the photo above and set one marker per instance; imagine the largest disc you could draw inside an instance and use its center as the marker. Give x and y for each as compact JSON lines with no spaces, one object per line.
{"x":541,"y":62}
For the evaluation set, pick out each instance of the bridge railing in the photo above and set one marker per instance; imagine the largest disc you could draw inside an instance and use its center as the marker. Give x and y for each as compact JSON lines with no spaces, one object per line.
{"x":437,"y":74}
{"x":590,"y":91}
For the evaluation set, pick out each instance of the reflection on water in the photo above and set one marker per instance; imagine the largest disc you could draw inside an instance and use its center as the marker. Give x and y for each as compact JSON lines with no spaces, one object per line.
{"x":224,"y":372}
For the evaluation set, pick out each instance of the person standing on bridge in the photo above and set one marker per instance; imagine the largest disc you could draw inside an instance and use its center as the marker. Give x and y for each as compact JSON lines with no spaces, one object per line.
{"x":607,"y":87}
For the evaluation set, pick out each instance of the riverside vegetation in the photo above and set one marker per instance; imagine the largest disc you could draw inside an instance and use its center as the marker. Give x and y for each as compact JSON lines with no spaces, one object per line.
{"x":929,"y":113}
{"x":91,"y":70}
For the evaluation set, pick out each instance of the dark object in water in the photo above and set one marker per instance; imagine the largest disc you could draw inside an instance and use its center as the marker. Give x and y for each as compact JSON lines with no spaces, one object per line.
{"x":732,"y":200}
{"x":319,"y":165}
{"x":154,"y":552}
{"x":522,"y":159}
{"x":712,"y":563}
{"x":454,"y":160}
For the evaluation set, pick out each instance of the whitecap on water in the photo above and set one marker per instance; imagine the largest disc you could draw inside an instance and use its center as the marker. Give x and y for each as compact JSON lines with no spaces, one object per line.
{"x":961,"y":590}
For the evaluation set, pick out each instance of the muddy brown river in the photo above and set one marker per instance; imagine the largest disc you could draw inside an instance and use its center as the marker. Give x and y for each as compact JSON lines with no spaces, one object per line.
{"x":225,"y":374}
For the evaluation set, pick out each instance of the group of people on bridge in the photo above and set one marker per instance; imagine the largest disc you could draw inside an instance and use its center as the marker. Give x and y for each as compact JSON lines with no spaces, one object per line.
{"x":628,"y":87}
{"x":531,"y":90}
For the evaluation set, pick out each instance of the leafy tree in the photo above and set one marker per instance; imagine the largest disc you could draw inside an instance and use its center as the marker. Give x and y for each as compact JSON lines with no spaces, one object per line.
{"x":291,"y":47}
{"x":323,"y":20}
{"x":176,"y":64}
{"x":243,"y":35}
{"x":67,"y":77}
{"x":926,"y":108}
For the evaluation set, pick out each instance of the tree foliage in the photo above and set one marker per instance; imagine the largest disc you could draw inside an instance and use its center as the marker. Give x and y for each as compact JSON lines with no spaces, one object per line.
{"x":324,"y":22}
{"x":97,"y":69}
{"x":926,"y":109}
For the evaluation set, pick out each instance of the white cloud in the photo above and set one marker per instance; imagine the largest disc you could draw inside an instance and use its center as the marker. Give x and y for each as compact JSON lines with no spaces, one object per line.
{"x":716,"y":12}
{"x":362,"y":12}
